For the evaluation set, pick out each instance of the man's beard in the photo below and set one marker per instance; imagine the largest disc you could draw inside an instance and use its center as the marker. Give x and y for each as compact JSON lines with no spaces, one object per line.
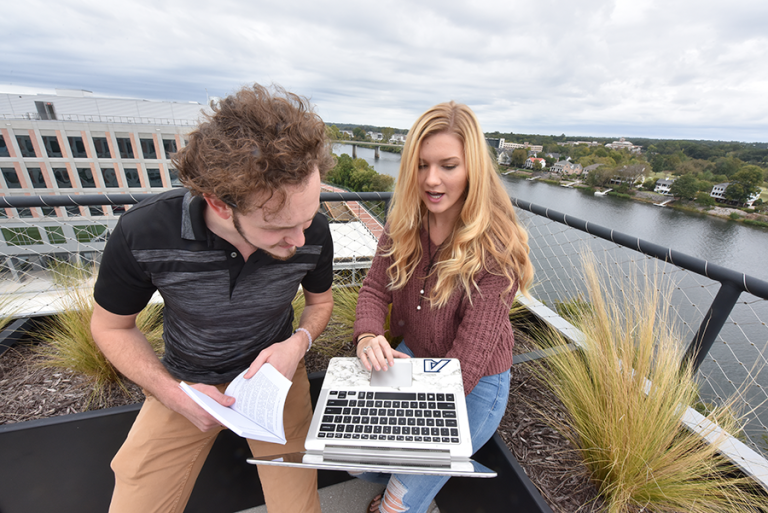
{"x":239,"y":229}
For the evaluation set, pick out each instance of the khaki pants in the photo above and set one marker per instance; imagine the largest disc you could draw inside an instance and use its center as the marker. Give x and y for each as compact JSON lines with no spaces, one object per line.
{"x":156,"y":468}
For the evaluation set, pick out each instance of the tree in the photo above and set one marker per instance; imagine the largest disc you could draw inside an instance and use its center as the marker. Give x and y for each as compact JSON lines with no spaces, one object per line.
{"x":387,"y":133}
{"x":359,"y":133}
{"x":600,"y":176}
{"x":342,"y":171}
{"x":684,"y":187}
{"x":518,"y":157}
{"x":727,"y":166}
{"x":702,"y":198}
{"x":381,"y":183}
{"x":631,"y":173}
{"x":744,"y":184}
{"x":334,"y":134}
{"x":649,"y":184}
{"x":357,"y":175}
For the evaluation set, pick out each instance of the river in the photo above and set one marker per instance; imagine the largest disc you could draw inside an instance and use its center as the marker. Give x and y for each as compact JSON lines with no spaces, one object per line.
{"x":723,"y":242}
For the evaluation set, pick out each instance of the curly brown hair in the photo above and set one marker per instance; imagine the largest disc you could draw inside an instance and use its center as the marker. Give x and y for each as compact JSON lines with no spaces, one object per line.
{"x":256,"y":141}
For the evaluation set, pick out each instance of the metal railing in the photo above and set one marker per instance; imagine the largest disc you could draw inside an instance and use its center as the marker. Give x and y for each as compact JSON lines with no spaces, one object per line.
{"x":722,"y":312}
{"x":94,"y":118}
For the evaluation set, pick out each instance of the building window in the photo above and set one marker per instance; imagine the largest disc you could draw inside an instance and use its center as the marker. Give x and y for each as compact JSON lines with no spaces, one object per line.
{"x":55,"y":234}
{"x":48,"y":211}
{"x":155,"y":180}
{"x":25,"y":145}
{"x":96,"y":211}
{"x":169,"y":145}
{"x":125,"y":148}
{"x":51,"y":143}
{"x":175,"y":182}
{"x":148,"y":148}
{"x":11,"y":178}
{"x":36,"y":175}
{"x":132,"y":177}
{"x":77,"y":147}
{"x":102,"y":148}
{"x":72,"y":211}
{"x":86,"y":177}
{"x":110,"y":177}
{"x":92,"y":232}
{"x":3,"y":147}
{"x":62,"y":177}
{"x":22,"y":236}
{"x":24,"y":212}
{"x":118,"y":209}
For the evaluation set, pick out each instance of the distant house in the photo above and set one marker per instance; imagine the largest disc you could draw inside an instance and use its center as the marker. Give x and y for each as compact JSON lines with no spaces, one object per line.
{"x":718,"y":192}
{"x":532,"y":161}
{"x":566,"y":168}
{"x":397,"y":139}
{"x":591,"y":168}
{"x":663,"y":186}
{"x":376,"y":136}
{"x":555,"y":156}
{"x":349,"y":133}
{"x":623,"y":144}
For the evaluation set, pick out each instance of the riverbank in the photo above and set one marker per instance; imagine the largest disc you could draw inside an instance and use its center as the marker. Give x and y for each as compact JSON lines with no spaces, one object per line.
{"x":723,"y":212}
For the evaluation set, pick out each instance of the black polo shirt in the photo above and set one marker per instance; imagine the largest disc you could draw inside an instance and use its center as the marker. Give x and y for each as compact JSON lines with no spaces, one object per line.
{"x":220,"y":311}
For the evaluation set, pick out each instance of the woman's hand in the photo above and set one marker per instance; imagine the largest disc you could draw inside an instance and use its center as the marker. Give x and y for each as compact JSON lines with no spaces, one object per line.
{"x":374,"y":351}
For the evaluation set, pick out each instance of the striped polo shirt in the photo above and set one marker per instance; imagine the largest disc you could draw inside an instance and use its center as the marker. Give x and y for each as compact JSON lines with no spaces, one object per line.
{"x":220,"y":310}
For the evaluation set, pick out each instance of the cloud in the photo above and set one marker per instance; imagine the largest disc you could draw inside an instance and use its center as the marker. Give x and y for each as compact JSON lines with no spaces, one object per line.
{"x":680,"y":68}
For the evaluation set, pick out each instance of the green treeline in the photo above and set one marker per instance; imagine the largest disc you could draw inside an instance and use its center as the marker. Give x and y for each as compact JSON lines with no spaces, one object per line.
{"x":358,"y":176}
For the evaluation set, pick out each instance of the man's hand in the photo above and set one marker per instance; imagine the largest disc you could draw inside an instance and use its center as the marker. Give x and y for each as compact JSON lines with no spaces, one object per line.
{"x":186,"y":406}
{"x":126,"y":347}
{"x":283,"y":356}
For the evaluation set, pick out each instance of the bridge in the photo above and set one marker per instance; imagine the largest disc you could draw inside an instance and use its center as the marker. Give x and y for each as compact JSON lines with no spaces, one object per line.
{"x":376,"y":145}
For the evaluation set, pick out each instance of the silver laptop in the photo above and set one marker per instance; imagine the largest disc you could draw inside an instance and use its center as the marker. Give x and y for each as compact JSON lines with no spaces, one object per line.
{"x":410,"y":419}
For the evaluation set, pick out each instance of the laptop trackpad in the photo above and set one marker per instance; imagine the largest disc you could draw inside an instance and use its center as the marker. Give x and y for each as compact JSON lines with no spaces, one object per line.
{"x":398,"y":376}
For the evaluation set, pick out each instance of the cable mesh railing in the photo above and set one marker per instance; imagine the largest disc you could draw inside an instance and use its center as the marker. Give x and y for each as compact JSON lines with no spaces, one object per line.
{"x":729,"y":367}
{"x":46,"y":240}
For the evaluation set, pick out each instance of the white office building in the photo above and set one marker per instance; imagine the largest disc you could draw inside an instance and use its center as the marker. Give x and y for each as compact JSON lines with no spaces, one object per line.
{"x":72,"y":142}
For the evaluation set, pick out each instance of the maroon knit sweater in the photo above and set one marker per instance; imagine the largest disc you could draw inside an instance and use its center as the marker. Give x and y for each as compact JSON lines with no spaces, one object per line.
{"x":478,"y":334}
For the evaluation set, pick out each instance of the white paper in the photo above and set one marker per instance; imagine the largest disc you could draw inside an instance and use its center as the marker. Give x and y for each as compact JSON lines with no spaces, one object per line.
{"x":258,"y":409}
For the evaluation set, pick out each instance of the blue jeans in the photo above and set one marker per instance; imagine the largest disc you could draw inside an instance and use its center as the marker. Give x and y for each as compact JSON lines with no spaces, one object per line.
{"x":485,"y":406}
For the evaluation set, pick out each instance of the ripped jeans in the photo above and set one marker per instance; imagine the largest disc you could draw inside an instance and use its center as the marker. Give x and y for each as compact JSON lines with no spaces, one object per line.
{"x":414,"y":493}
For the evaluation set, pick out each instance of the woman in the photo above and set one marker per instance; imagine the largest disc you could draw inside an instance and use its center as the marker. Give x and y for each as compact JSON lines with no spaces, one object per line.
{"x":450,"y":263}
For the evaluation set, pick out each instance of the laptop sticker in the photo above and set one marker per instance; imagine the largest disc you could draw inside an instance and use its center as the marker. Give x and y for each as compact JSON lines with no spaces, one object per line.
{"x":431,"y":365}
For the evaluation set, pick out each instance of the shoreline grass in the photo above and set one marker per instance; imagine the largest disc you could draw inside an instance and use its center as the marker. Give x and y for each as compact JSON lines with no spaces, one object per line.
{"x":624,"y":394}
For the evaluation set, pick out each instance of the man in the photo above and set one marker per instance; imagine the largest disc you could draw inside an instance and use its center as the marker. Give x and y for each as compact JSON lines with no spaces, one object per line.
{"x":227,"y":253}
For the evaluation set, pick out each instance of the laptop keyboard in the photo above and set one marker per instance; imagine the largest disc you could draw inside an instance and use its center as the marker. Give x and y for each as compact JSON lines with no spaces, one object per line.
{"x":392,"y":416}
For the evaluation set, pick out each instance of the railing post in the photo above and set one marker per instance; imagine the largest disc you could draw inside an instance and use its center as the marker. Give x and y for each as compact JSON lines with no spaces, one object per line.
{"x":711,"y":325}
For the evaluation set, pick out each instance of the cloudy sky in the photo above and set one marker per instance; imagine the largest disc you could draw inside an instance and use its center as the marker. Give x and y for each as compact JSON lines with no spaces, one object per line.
{"x":689,"y":69}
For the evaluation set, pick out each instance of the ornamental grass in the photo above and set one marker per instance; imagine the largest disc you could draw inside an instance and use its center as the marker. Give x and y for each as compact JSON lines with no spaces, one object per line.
{"x":67,"y":343}
{"x":624,"y":394}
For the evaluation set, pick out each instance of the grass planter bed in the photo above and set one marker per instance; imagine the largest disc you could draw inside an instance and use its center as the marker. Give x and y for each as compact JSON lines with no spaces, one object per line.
{"x":62,"y":464}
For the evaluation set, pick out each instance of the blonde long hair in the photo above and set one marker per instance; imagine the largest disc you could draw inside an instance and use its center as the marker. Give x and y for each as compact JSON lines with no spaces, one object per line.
{"x":486,"y":226}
